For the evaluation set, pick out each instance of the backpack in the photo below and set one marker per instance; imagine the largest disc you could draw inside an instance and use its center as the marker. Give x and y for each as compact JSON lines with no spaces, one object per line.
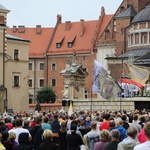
{"x":91,"y":142}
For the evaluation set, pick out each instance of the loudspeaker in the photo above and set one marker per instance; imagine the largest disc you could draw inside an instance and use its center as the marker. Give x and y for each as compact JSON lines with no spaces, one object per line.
{"x":64,"y":102}
{"x":69,"y":102}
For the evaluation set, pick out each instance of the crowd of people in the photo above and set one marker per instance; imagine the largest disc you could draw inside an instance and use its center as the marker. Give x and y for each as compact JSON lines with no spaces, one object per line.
{"x":83,"y":130}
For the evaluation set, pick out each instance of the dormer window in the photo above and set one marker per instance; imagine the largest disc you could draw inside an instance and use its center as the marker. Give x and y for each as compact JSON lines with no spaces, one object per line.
{"x":71,"y":41}
{"x":58,"y":45}
{"x":70,"y":44}
{"x":59,"y":42}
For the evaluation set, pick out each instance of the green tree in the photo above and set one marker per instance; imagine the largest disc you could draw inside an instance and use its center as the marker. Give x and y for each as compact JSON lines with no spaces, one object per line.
{"x":46,"y":95}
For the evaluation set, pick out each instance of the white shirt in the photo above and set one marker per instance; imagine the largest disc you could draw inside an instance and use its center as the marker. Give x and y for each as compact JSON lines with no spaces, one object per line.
{"x":17,"y":131}
{"x":143,"y":146}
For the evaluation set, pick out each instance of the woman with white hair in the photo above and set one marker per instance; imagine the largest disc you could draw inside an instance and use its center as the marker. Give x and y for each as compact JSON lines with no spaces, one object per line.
{"x":48,"y":143}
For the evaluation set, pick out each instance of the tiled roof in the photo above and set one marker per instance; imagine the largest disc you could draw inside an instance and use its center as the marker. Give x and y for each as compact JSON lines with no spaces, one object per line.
{"x":39,"y":42}
{"x":82,"y":44}
{"x":105,"y":22}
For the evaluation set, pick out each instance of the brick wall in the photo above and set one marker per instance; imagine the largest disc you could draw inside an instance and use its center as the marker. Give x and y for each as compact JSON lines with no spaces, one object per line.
{"x":116,"y":71}
{"x":87,"y":61}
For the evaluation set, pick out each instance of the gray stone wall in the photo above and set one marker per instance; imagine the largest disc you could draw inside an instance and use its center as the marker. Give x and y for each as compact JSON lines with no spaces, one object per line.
{"x":102,"y":104}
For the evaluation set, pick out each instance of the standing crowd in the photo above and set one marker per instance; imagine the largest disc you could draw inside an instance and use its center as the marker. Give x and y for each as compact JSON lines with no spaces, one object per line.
{"x":105,"y":130}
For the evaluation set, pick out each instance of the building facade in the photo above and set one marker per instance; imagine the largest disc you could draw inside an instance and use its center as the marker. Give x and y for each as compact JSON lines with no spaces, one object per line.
{"x":126,"y":34}
{"x":50,"y":47}
{"x":13,"y":67}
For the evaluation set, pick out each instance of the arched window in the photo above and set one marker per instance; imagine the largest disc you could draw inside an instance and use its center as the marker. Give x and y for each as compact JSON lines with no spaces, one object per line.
{"x":107,"y":35}
{"x":137,"y":38}
{"x":121,"y":9}
{"x":144,"y":38}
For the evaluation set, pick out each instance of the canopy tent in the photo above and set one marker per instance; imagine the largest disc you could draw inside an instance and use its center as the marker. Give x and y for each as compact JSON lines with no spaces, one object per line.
{"x":132,"y":82}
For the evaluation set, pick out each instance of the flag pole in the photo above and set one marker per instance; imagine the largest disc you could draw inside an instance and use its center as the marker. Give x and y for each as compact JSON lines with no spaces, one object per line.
{"x":91,"y":101}
{"x":120,"y":104}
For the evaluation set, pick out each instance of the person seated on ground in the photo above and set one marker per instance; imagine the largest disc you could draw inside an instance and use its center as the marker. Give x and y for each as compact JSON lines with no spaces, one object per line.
{"x":129,"y":142}
{"x":104,"y":139}
{"x":113,"y":144}
{"x":48,"y":143}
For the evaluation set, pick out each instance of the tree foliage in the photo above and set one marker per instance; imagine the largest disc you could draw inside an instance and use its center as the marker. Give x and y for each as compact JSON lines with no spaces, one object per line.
{"x":46,"y":95}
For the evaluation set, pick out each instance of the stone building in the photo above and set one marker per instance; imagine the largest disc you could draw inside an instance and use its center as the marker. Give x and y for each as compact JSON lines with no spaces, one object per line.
{"x":13,"y":67}
{"x":125,"y":35}
{"x":50,"y":47}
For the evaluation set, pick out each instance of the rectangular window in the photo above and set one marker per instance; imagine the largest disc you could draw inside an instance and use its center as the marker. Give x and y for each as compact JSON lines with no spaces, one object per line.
{"x":30,"y":66}
{"x":41,"y":82}
{"x":53,"y":66}
{"x":86,"y":93}
{"x":16,"y":80}
{"x":53,"y":82}
{"x":16,"y":54}
{"x":41,"y":67}
{"x":30,"y":82}
{"x":58,"y":45}
{"x":70,"y":44}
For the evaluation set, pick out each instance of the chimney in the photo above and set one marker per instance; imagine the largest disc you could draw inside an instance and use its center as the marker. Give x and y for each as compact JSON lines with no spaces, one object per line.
{"x":82,"y":28}
{"x":102,"y":11}
{"x":68,"y":25}
{"x":38,"y":29}
{"x":58,"y":18}
{"x":21,"y":29}
{"x":14,"y":29}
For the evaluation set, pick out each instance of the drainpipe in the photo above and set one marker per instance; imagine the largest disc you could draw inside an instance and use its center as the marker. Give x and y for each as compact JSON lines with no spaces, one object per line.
{"x":4,"y":57}
{"x":34,"y":78}
{"x":47,"y":70}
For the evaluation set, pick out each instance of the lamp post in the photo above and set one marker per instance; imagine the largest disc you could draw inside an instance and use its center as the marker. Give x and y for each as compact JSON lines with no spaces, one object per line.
{"x":2,"y":89}
{"x":91,"y":101}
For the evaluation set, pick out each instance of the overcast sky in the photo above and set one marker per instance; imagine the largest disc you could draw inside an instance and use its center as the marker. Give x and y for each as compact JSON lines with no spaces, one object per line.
{"x":43,"y":12}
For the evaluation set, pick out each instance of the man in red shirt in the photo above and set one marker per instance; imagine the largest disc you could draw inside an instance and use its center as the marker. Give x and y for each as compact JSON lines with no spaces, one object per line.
{"x":105,"y":124}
